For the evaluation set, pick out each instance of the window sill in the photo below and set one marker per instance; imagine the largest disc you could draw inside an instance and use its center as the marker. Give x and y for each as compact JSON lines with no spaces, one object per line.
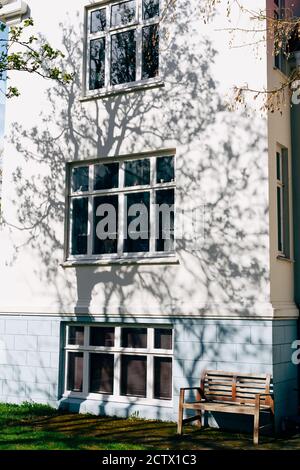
{"x":168,"y":259}
{"x":129,"y":88}
{"x":119,"y":399}
{"x":284,"y":258}
{"x":283,"y":74}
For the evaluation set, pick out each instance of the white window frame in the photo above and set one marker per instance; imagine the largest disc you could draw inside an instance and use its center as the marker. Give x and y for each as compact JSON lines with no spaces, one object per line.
{"x":279,"y":187}
{"x":138,"y":24}
{"x":282,"y":154}
{"x":150,"y":352}
{"x":121,"y":191}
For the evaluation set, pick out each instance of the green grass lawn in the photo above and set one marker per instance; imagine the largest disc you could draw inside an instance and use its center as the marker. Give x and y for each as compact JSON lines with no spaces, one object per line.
{"x":39,"y":427}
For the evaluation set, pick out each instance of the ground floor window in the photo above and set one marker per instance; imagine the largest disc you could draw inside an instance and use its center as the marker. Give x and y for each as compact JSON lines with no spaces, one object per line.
{"x":119,"y":361}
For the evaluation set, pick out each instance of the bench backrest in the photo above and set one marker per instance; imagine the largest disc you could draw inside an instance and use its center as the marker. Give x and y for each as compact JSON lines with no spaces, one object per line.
{"x":235,"y":387}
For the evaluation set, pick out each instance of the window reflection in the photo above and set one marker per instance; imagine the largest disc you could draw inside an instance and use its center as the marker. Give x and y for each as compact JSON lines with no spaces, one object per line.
{"x":97,"y":63}
{"x":123,"y":57}
{"x":98,"y":20}
{"x":122,"y":13}
{"x":150,"y":58}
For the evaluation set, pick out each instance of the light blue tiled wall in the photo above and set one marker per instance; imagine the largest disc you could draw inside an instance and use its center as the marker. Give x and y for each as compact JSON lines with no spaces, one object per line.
{"x":29,"y":359}
{"x":30,"y":369}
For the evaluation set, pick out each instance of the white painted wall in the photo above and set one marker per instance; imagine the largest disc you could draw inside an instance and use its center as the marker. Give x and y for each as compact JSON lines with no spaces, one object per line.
{"x":222,"y":162}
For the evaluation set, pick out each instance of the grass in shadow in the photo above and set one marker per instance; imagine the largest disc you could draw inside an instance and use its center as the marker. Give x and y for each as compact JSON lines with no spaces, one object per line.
{"x":39,"y":427}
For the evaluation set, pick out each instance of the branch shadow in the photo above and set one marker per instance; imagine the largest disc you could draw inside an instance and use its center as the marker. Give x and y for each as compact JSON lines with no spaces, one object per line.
{"x":219,"y":167}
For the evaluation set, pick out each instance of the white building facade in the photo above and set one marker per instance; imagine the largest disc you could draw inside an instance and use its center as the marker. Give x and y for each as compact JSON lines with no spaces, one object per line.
{"x":117,"y":326}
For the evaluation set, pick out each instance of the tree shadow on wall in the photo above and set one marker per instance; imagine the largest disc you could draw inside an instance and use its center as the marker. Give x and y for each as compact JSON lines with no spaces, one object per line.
{"x":221,"y":166}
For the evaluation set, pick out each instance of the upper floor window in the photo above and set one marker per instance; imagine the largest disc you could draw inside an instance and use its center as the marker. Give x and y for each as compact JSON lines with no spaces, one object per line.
{"x":122,"y":207}
{"x":122,"y":44}
{"x":280,"y":45}
{"x":283,"y":206}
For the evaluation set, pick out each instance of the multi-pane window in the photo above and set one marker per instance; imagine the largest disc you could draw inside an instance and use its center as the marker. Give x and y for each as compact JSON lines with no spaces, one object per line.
{"x":123,"y":43}
{"x":117,"y":361}
{"x":280,"y":55}
{"x":122,"y":208}
{"x":283,"y":219}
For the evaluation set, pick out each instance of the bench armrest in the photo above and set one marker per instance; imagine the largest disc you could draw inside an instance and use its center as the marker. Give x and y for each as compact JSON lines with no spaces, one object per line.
{"x":258,"y":396}
{"x":190,"y":388}
{"x":265,"y":394}
{"x":184,"y":389}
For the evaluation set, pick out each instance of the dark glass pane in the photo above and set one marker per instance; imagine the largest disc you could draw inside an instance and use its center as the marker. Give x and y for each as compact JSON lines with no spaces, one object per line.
{"x":102,"y":336}
{"x":137,"y":172}
{"x":123,"y":57}
{"x":165,"y":170}
{"x":105,"y":213}
{"x":97,"y":63}
{"x":137,"y":239}
{"x":279,"y":220}
{"x":162,"y":338}
{"x":150,"y":9}
{"x":79,"y":226}
{"x":101,"y":373}
{"x":133,"y":375}
{"x":80,"y":179}
{"x":122,"y":13}
{"x":150,"y":58}
{"x":278,"y":166}
{"x":134,"y":338}
{"x":165,"y":220}
{"x":106,"y":176}
{"x":285,"y":204}
{"x":98,"y":20}
{"x":163,"y":378}
{"x":76,"y":334}
{"x":75,"y":372}
{"x":277,"y":61}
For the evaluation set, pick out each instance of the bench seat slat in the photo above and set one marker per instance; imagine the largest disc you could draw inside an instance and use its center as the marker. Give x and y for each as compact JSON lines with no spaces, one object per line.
{"x":223,"y":407}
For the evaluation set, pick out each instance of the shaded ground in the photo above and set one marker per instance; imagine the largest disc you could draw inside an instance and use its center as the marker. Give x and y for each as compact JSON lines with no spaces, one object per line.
{"x":39,"y":427}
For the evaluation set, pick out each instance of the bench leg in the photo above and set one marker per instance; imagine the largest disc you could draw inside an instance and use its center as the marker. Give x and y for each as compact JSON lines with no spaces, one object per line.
{"x":199,"y":421}
{"x":256,"y":428}
{"x":180,"y":413}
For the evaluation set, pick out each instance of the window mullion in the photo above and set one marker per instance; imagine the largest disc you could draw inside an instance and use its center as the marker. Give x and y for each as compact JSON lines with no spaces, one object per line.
{"x":70,"y":226}
{"x":88,"y":65}
{"x":90,"y":211}
{"x":86,"y":336}
{"x":150,"y":376}
{"x":107,"y":59}
{"x":117,"y":374}
{"x":121,"y":212}
{"x":117,"y":363}
{"x":86,"y":373}
{"x":152,"y":246}
{"x":139,"y":53}
{"x":150,"y":339}
{"x":150,"y":362}
{"x":66,"y":370}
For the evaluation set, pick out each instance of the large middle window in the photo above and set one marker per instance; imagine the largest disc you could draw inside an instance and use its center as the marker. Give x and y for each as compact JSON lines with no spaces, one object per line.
{"x":122,"y":208}
{"x":123,"y":43}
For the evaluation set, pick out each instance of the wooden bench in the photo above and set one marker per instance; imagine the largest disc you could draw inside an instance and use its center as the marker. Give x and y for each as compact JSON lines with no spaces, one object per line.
{"x":229,"y":392}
